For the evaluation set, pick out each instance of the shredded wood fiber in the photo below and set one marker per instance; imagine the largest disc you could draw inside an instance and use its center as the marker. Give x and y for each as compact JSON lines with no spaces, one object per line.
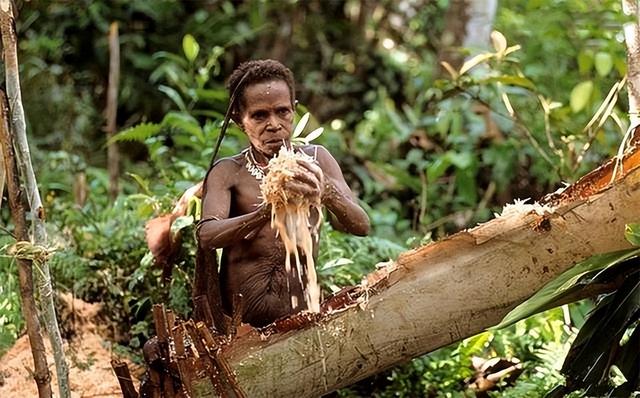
{"x":290,"y":216}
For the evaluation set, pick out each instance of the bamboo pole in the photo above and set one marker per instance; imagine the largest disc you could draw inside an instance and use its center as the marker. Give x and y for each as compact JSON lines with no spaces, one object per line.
{"x":111,"y":112}
{"x":25,"y":167}
{"x":25,"y":273}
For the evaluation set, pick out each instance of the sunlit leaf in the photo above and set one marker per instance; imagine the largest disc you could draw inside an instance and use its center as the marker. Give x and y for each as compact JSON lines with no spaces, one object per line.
{"x":512,"y":49}
{"x":314,"y":134}
{"x":144,"y":184}
{"x":478,"y":59}
{"x":450,"y":69}
{"x":603,"y":63}
{"x":336,"y":263}
{"x":190,"y":47}
{"x":580,"y":95}
{"x":181,"y":223}
{"x":301,"y":125}
{"x":499,"y":42}
{"x":632,"y":233}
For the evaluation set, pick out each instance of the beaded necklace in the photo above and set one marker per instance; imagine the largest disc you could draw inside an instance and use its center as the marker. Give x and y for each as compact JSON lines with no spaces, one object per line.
{"x":252,"y":165}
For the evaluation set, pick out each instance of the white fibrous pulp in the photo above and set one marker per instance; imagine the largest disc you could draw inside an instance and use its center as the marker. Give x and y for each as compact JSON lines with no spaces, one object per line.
{"x":290,"y":216}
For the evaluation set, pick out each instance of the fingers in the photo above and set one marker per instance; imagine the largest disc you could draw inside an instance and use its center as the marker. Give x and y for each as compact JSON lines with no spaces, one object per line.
{"x":302,"y":188}
{"x":313,"y":167}
{"x":307,"y":180}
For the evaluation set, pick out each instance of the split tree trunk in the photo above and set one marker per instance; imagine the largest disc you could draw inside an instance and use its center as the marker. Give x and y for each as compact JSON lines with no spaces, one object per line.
{"x":28,"y":180}
{"x":439,"y":293}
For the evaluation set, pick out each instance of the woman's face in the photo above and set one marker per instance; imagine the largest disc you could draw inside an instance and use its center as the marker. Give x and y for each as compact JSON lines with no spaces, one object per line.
{"x":267,"y":116}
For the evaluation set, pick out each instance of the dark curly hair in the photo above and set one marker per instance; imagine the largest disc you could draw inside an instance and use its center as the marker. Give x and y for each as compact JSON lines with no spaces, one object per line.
{"x":257,"y":71}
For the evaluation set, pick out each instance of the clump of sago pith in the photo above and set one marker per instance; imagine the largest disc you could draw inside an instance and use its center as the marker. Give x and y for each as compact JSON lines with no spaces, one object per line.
{"x":290,"y":216}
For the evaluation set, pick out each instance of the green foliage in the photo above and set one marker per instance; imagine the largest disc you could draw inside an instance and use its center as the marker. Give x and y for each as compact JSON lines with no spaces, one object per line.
{"x":11,"y":322}
{"x":603,"y":359}
{"x":428,"y":153}
{"x":344,"y":259}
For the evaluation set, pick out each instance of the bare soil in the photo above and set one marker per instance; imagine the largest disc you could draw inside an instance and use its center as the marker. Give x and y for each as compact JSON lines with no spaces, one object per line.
{"x":88,"y":352}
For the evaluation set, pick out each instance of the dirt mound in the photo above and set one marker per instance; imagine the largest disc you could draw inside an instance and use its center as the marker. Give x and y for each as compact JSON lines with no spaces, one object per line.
{"x":88,"y":355}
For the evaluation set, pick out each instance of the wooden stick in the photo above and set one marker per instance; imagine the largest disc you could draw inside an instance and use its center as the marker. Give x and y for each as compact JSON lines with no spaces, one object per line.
{"x":171,"y":319}
{"x":205,"y":362}
{"x":155,"y":385}
{"x":225,"y":376}
{"x":124,"y":378}
{"x":184,"y":368}
{"x":202,"y":311}
{"x":160,"y":321}
{"x":111,"y":112}
{"x":25,"y":275}
{"x":236,"y":318}
{"x":24,"y":165}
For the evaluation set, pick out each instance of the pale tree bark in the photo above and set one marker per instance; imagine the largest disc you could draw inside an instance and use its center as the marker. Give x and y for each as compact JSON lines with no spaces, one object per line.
{"x":481,"y":14}
{"x":25,"y":272}
{"x":27,"y":175}
{"x":111,"y":112}
{"x":632,"y":40}
{"x":468,"y":25}
{"x":439,"y":293}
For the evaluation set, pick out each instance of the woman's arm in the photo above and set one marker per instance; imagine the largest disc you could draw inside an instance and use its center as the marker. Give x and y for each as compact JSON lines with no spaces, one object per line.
{"x":215,"y":229}
{"x":346,"y":215}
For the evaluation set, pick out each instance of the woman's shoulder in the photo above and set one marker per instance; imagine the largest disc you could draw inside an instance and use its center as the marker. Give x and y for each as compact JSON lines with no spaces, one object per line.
{"x":314,"y":150}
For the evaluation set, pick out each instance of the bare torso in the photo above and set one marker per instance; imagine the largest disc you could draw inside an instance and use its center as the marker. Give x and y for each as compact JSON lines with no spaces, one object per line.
{"x":253,"y":255}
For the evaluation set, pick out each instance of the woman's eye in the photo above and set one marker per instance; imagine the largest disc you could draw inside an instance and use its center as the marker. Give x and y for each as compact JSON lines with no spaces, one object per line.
{"x":260,"y":115}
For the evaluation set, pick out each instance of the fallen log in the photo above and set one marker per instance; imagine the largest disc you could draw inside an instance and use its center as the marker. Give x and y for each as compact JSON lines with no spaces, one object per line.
{"x":439,"y":293}
{"x":429,"y":297}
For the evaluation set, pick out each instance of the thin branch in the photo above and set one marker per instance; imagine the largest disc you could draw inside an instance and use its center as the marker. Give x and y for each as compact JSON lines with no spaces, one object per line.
{"x":25,"y":272}
{"x":113,"y":156}
{"x":24,"y":165}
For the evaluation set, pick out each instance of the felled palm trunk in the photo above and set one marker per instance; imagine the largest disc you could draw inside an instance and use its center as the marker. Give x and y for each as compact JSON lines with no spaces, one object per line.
{"x":429,"y":297}
{"x":439,"y":293}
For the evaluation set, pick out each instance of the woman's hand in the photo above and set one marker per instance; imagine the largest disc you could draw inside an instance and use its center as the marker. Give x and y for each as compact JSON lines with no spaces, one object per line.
{"x":308,"y":180}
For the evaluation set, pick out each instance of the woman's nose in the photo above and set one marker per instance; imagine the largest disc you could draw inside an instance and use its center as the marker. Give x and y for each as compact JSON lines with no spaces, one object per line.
{"x":273,"y":123}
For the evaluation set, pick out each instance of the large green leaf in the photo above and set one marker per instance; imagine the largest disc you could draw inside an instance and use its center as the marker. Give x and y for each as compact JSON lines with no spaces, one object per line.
{"x":580,"y":96}
{"x":190,"y":47}
{"x":603,"y":63}
{"x":562,"y":286}
{"x":596,"y":347}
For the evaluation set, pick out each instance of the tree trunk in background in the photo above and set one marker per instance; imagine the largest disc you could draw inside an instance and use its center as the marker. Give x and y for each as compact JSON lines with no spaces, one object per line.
{"x":25,"y":273}
{"x":481,"y":14}
{"x":468,"y":24}
{"x":439,"y":293}
{"x":454,"y":33}
{"x":28,"y":180}
{"x":632,"y":40}
{"x":111,"y":112}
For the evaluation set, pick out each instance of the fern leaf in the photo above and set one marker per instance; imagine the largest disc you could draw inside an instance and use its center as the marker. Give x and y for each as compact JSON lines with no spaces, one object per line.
{"x":138,"y":133}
